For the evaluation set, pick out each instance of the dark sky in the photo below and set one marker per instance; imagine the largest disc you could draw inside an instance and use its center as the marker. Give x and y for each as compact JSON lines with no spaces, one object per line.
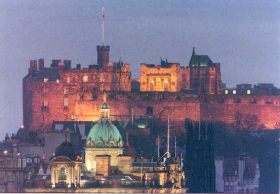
{"x":243,"y":36}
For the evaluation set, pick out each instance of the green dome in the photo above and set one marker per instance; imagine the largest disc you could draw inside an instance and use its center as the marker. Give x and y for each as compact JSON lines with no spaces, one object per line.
{"x":104,"y":134}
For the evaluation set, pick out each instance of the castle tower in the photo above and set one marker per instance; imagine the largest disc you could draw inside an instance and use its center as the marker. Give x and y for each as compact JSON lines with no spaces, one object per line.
{"x":103,"y":55}
{"x":103,"y":51}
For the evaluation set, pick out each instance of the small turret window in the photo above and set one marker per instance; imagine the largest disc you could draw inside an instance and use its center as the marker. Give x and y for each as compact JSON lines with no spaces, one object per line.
{"x":45,"y":103}
{"x":65,"y":102}
{"x":85,"y":78}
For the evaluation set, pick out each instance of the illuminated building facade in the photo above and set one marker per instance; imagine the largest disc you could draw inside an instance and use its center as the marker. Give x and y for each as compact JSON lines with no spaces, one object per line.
{"x":63,"y":93}
{"x":66,"y":167}
{"x":104,"y":147}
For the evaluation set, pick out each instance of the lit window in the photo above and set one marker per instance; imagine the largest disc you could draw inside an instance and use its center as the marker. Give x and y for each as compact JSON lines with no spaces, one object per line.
{"x":66,"y":90}
{"x":45,"y":103}
{"x":57,"y":81}
{"x":73,"y":117}
{"x":85,"y":78}
{"x":68,"y":80}
{"x":23,"y":163}
{"x":248,"y":92}
{"x":45,"y":79}
{"x":226,"y":91}
{"x":233,"y":91}
{"x":45,"y":90}
{"x":65,"y":102}
{"x":19,"y":163}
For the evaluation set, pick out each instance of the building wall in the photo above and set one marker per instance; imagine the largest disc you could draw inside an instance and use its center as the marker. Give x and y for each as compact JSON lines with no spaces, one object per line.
{"x":206,"y":80}
{"x":92,"y":153}
{"x":75,"y":95}
{"x":45,"y":93}
{"x":219,"y":175}
{"x":12,"y":175}
{"x":159,"y":78}
{"x":179,"y":106}
{"x":250,"y":112}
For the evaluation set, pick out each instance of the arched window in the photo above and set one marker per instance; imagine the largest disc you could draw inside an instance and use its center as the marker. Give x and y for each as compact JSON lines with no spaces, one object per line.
{"x":166,"y":85}
{"x":62,"y":174}
{"x":152,"y":85}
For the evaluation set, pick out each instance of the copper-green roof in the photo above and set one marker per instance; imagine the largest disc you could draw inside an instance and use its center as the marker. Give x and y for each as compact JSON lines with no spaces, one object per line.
{"x":104,"y":134}
{"x":200,"y":60}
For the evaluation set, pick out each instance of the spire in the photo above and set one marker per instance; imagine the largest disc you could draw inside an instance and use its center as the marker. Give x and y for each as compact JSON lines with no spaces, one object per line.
{"x":193,"y":51}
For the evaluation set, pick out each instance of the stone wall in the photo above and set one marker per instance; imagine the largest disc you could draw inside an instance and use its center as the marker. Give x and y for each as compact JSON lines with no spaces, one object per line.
{"x":179,"y":106}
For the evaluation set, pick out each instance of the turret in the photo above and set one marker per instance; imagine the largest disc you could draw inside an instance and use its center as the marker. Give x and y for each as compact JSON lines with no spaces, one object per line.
{"x":103,"y":55}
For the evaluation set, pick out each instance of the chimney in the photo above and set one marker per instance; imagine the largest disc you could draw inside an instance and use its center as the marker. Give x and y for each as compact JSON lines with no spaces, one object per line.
{"x":41,"y":64}
{"x":67,"y":64}
{"x":55,"y":62}
{"x":78,"y":66}
{"x":33,"y":66}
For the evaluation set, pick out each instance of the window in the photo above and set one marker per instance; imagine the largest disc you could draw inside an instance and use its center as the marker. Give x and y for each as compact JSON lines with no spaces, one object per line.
{"x":24,"y":163}
{"x":66,"y":91}
{"x":149,"y":111}
{"x":248,"y":92}
{"x":68,"y":80}
{"x":152,"y":85}
{"x":85,"y":78}
{"x":226,"y":91}
{"x":62,"y":174}
{"x":45,"y":79}
{"x":233,"y":91}
{"x":45,"y":90}
{"x":102,"y":79}
{"x":166,"y":85}
{"x":45,"y":103}
{"x":57,"y":81}
{"x":19,"y":163}
{"x":65,"y":102}
{"x":73,"y":117}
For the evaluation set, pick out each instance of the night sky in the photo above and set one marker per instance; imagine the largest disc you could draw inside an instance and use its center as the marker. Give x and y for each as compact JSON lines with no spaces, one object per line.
{"x":244,"y":36}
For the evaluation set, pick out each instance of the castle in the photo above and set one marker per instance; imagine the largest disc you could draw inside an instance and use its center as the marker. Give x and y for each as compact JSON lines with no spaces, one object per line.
{"x":65,"y":93}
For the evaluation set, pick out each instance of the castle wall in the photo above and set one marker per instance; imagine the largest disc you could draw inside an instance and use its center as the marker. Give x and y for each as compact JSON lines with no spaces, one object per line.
{"x":72,"y":94}
{"x":263,"y":110}
{"x":249,"y":112}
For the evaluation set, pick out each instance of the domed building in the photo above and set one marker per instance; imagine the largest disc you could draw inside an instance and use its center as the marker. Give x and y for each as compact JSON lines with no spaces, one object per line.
{"x":65,"y":166}
{"x":104,"y":147}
